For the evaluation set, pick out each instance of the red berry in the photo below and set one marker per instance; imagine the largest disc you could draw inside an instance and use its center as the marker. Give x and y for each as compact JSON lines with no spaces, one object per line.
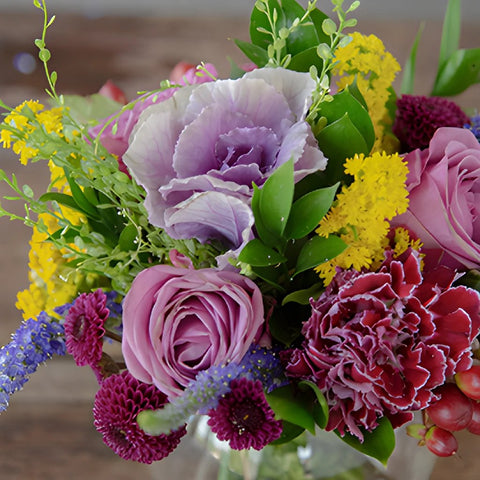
{"x":179,"y":70}
{"x":441,"y":442}
{"x":469,"y":382}
{"x":474,"y":425}
{"x":453,"y":411}
{"x":110,"y":90}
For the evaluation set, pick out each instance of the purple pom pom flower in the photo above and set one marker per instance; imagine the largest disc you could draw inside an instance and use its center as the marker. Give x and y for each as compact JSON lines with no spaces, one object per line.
{"x":244,"y":418}
{"x":84,"y":328}
{"x":118,"y":402}
{"x":418,"y":117}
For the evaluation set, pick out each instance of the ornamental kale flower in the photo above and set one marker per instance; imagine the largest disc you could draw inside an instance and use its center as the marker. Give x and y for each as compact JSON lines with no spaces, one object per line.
{"x":118,"y":402}
{"x":115,"y":132}
{"x":244,"y":418}
{"x":34,"y":342}
{"x":418,"y":117}
{"x":84,"y":328}
{"x":198,"y":153}
{"x":378,"y":343}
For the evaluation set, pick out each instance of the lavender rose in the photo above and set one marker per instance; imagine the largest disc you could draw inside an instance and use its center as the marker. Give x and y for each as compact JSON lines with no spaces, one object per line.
{"x":444,"y":208}
{"x":197,"y":153}
{"x":179,"y":321}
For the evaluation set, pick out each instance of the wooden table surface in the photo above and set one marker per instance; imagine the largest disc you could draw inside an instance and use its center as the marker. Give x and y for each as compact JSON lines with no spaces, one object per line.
{"x":47,"y":433}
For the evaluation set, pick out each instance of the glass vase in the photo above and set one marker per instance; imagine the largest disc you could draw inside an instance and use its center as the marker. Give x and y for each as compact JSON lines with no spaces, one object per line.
{"x":323,"y":456}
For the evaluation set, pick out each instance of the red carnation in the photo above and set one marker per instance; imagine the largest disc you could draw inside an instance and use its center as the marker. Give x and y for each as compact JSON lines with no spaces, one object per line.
{"x":378,"y":343}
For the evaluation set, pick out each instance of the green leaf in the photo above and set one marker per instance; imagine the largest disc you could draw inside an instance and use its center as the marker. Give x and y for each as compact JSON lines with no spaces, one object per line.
{"x":270,"y":275}
{"x":290,"y":431}
{"x":62,"y":199}
{"x":308,"y":210}
{"x":319,"y":250}
{"x":44,"y":55}
{"x":459,"y":71}
{"x":301,"y":42}
{"x":257,"y":254}
{"x":93,"y":107}
{"x":255,"y":53}
{"x":378,"y":444}
{"x":80,"y":199}
{"x":127,"y":238}
{"x":331,"y":141}
{"x":53,"y":77}
{"x":91,"y":195}
{"x":275,"y":200}
{"x":259,"y":23}
{"x":294,"y":407}
{"x":357,"y":94}
{"x":286,"y":322}
{"x":302,"y":61}
{"x":345,"y":102}
{"x":408,"y":74}
{"x":329,"y":27}
{"x":265,"y":235}
{"x":450,"y":32}
{"x":303,"y":297}
{"x":320,"y":411}
{"x":306,"y":35}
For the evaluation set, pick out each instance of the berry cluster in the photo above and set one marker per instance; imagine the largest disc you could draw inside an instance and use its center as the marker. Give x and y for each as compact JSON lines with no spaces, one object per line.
{"x":457,"y":408}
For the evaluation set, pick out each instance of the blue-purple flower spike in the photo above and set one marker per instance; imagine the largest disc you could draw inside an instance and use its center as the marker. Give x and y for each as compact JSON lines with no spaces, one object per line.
{"x":34,"y":342}
{"x":474,"y":126}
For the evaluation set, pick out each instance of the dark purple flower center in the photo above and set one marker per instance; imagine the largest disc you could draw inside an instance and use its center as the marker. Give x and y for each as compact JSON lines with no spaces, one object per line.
{"x":246,"y":417}
{"x":79,"y":327}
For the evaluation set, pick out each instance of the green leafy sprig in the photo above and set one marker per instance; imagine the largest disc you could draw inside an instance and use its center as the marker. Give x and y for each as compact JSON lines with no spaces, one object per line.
{"x":457,"y":69}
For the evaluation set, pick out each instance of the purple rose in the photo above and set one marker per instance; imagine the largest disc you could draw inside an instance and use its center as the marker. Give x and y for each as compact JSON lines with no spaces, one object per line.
{"x":179,"y":321}
{"x":115,"y":136}
{"x":198,"y":153}
{"x":444,"y":206}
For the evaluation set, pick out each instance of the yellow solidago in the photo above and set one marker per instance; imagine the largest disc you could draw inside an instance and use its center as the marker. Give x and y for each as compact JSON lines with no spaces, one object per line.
{"x":366,"y":59}
{"x":51,"y":284}
{"x":402,"y":241}
{"x":362,"y":210}
{"x":19,"y":127}
{"x":48,"y":287}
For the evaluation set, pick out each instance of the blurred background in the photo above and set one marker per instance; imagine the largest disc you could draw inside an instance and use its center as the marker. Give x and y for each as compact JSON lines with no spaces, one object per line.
{"x":47,"y":433}
{"x":409,"y":9}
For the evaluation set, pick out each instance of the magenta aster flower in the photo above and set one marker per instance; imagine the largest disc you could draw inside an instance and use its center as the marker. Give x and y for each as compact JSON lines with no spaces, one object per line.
{"x":118,"y":402}
{"x":418,"y":117}
{"x":84,"y":328}
{"x":244,"y":418}
{"x":378,"y":343}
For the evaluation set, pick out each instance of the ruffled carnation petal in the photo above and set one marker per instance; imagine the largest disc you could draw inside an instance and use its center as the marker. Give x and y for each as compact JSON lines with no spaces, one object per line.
{"x":376,"y":349}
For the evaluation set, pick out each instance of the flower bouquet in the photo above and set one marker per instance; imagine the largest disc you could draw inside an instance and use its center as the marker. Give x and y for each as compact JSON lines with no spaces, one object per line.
{"x":290,"y":251}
